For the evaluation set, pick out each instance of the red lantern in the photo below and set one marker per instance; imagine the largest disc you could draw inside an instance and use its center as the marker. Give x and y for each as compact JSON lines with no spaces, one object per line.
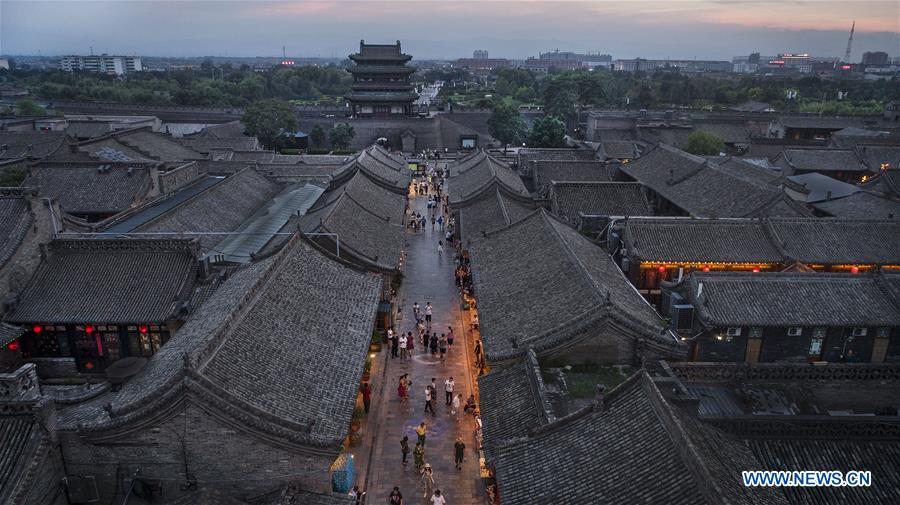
{"x":37,"y":328}
{"x":88,"y":329}
{"x":13,"y":346}
{"x":89,"y":365}
{"x":854,"y":270}
{"x":756,"y":270}
{"x":662,"y":269}
{"x":143,"y":329}
{"x":706,"y":269}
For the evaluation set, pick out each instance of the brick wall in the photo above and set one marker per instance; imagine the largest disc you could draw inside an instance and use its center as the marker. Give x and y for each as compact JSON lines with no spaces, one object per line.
{"x":174,"y":179}
{"x":195,"y":441}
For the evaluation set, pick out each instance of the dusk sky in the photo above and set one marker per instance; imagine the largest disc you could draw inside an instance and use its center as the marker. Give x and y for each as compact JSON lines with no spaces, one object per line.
{"x":703,"y":29}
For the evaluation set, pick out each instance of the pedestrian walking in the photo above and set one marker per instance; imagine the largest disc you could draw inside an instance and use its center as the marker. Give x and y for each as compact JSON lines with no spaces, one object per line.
{"x":395,"y":498}
{"x":442,"y":346}
{"x":429,"y":398}
{"x":449,"y":384}
{"x":419,"y":457}
{"x":437,"y":498}
{"x":459,"y":450}
{"x":394,"y":343}
{"x":428,"y":311}
{"x":434,"y":343}
{"x":403,"y":388}
{"x":410,"y":344}
{"x":454,"y":407}
{"x":440,"y":221}
{"x":421,"y":431}
{"x":432,"y":221}
{"x":440,"y":248}
{"x":404,"y":353}
{"x":449,"y":338}
{"x":478,"y":350}
{"x":404,"y":447}
{"x":417,"y":311}
{"x":427,"y":479}
{"x":367,"y":396}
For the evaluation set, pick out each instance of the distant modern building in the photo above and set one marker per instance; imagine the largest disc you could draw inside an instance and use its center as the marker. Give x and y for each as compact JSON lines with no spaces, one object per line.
{"x":875,"y":58}
{"x":543,"y":65}
{"x":688,"y":66}
{"x":480,"y":54}
{"x":482,"y":66}
{"x":4,"y":63}
{"x":102,"y":64}
{"x":381,"y":84}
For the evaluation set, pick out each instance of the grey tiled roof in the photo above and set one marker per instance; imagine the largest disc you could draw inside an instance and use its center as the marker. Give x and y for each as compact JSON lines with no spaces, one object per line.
{"x":92,"y":188}
{"x":157,"y":146}
{"x":15,"y":221}
{"x":861,"y":205}
{"x":821,"y":160}
{"x":108,"y":281}
{"x":205,"y":144}
{"x":811,"y":240}
{"x":546,"y":171}
{"x":9,"y":332}
{"x":569,"y":199}
{"x":839,"y":241}
{"x":230,"y":129}
{"x":875,"y":156}
{"x":387,"y":169}
{"x":636,"y":448}
{"x":24,"y":444}
{"x":479,"y":173}
{"x":793,"y":299}
{"x":221,"y":208}
{"x":686,"y":239}
{"x":42,"y":144}
{"x":512,"y":403}
{"x":881,"y":457}
{"x":257,"y":156}
{"x":253,"y":351}
{"x":540,"y":283}
{"x":105,"y":149}
{"x":619,"y":149}
{"x":489,"y":211}
{"x":528,"y":156}
{"x":274,"y":358}
{"x":363,"y":234}
{"x":703,"y":189}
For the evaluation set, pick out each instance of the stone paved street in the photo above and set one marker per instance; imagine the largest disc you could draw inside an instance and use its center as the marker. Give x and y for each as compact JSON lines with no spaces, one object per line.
{"x":427,"y":277}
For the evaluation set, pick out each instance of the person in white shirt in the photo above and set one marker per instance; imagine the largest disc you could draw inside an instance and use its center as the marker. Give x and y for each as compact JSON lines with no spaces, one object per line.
{"x":404,"y":352}
{"x":448,"y":390}
{"x":437,"y":499}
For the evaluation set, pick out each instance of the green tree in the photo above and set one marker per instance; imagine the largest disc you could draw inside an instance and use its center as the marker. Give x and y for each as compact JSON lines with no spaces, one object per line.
{"x":317,"y":136}
{"x":704,"y":143}
{"x":269,"y":120}
{"x":547,"y":132}
{"x":29,"y":108}
{"x":560,"y":101}
{"x":340,"y":136}
{"x":505,"y":124}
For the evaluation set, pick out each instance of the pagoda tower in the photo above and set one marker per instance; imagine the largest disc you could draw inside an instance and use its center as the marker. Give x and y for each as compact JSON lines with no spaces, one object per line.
{"x":381,"y":86}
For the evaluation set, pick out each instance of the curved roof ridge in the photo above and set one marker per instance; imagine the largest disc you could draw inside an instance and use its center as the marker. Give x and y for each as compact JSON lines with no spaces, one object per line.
{"x":369,"y":211}
{"x":509,"y":226}
{"x":502,"y":205}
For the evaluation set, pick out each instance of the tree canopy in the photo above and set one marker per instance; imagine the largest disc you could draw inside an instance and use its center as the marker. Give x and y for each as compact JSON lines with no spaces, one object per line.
{"x":341,"y":135}
{"x":704,"y":143}
{"x":505,"y":124}
{"x":29,"y":108}
{"x":317,"y":136}
{"x":547,"y":132}
{"x":270,"y":120}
